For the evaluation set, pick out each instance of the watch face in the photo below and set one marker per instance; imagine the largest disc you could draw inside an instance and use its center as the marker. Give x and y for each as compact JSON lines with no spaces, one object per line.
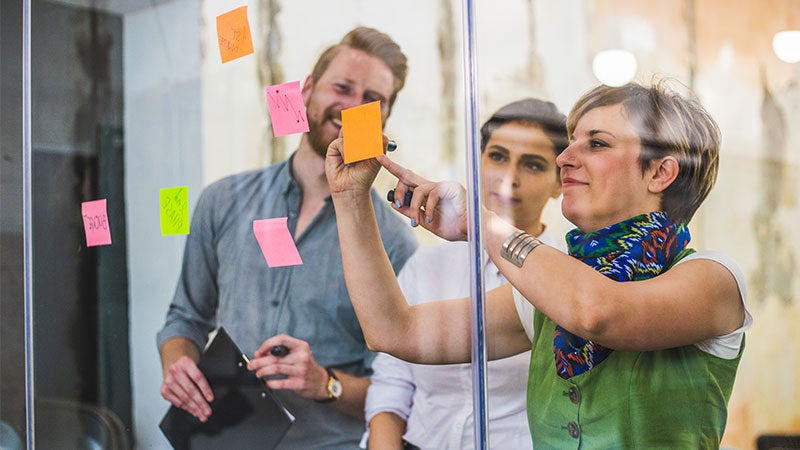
{"x":335,"y":388}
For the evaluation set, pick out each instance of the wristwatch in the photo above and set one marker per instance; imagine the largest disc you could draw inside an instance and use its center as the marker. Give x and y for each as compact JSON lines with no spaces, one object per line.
{"x":334,"y":387}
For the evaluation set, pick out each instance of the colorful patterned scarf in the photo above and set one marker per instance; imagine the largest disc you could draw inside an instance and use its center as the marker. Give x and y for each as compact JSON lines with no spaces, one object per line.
{"x":635,"y":249}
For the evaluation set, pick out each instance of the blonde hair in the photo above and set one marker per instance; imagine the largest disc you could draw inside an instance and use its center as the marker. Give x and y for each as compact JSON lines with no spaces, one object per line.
{"x":667,"y":124}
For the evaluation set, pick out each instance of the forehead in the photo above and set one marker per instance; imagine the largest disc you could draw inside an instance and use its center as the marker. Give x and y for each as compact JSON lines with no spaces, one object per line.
{"x":522,"y":137}
{"x":358,"y":67}
{"x":612,"y":119}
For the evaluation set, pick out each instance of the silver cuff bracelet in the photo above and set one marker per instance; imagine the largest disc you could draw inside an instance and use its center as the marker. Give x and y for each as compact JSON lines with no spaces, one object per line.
{"x":518,"y":246}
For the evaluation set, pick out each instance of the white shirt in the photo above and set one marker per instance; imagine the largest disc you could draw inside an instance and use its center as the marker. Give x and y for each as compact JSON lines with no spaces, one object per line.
{"x":436,"y":400}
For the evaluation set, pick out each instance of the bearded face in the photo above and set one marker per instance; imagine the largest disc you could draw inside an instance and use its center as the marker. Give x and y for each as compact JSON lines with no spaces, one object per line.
{"x":352,"y":78}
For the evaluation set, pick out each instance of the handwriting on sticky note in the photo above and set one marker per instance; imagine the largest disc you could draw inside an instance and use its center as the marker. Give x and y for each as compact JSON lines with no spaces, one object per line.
{"x":174,"y":203}
{"x":233,"y":34}
{"x":362,"y":132}
{"x":286,"y":109}
{"x":95,"y":223}
{"x":276,"y":242}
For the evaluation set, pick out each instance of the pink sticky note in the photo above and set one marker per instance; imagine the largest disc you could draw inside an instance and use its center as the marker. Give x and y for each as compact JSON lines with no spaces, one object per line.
{"x":286,"y":108}
{"x":276,"y":242}
{"x":95,"y":223}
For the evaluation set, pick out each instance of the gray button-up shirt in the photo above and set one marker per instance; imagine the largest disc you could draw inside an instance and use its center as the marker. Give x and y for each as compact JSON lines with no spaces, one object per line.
{"x":225,"y":281}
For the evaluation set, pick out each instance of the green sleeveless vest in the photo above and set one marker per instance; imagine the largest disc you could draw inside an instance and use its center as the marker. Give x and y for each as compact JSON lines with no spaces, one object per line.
{"x":666,"y":399}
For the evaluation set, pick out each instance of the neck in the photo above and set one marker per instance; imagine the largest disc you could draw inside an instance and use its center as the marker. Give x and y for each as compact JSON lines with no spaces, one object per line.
{"x":534,"y":228}
{"x":309,"y":171}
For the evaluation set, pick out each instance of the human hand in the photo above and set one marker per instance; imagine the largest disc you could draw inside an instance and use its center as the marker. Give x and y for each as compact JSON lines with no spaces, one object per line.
{"x":355,"y":177}
{"x":186,"y":387}
{"x":297,"y":371}
{"x":439,"y":207}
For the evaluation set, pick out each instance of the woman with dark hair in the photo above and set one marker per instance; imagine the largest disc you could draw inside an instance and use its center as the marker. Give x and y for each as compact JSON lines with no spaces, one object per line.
{"x":430,"y":406}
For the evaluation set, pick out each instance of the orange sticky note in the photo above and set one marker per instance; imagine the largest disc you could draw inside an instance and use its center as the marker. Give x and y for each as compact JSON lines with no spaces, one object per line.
{"x":233,"y":34}
{"x":362,"y":132}
{"x":286,"y":109}
{"x":95,"y":223}
{"x":276,"y":242}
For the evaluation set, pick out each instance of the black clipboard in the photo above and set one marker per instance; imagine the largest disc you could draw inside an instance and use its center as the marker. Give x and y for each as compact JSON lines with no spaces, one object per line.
{"x":245,"y":413}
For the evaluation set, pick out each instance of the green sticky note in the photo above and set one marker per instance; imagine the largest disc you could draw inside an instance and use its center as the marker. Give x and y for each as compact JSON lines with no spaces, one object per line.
{"x":174,"y":210}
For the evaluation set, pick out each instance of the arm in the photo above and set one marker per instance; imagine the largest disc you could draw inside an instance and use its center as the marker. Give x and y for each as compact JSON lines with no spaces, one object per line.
{"x":687,"y":304}
{"x":189,"y":319}
{"x":389,"y":324}
{"x":386,"y":432}
{"x":389,"y":402}
{"x":184,"y":385}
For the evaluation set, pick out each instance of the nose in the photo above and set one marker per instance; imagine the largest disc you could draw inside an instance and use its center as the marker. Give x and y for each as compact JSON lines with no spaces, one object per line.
{"x":567,"y":157}
{"x":509,"y":180}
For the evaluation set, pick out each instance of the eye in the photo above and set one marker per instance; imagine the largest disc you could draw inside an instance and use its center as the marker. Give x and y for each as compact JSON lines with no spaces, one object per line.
{"x":369,"y":98}
{"x":341,"y":88}
{"x":535,"y":166}
{"x":496,"y":156}
{"x":597,"y":143}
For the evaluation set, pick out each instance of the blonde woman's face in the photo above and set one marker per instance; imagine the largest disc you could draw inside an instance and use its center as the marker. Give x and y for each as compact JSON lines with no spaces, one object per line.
{"x":601,"y":174}
{"x":518,"y":166}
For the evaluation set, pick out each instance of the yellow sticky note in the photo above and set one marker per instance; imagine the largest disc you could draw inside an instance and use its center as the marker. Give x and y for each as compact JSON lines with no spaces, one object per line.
{"x":174,"y":203}
{"x":233,"y":34}
{"x":362,"y":132}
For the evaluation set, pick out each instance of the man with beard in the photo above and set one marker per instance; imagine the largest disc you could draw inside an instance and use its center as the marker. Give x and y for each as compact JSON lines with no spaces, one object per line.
{"x":306,"y":308}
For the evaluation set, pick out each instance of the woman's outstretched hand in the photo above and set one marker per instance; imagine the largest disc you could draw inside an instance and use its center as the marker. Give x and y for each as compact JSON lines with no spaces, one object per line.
{"x":439,"y":207}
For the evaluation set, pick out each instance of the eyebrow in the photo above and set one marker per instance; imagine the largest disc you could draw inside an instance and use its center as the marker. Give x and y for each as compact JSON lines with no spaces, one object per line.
{"x":596,"y":132}
{"x":533,"y":157}
{"x":524,"y":157}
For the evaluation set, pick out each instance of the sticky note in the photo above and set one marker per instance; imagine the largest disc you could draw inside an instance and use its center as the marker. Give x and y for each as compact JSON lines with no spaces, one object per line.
{"x":276,"y":242}
{"x":233,"y":34}
{"x":362,"y":132}
{"x":95,"y":223}
{"x":286,"y":109}
{"x":174,"y":203}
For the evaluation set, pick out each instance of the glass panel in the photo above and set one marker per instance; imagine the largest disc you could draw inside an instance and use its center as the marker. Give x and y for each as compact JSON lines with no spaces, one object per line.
{"x":131,"y":97}
{"x":12,"y":269}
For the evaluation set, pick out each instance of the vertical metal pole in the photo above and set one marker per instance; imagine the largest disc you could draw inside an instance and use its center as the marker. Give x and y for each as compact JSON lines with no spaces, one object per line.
{"x":477,"y":303}
{"x":27,"y":230}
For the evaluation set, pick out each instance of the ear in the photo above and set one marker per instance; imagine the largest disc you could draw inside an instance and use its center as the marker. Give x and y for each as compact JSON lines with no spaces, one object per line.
{"x":664,"y":172}
{"x":308,"y":85}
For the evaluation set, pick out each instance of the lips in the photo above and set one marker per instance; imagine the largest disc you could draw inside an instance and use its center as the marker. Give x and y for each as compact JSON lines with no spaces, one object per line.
{"x":567,"y":182}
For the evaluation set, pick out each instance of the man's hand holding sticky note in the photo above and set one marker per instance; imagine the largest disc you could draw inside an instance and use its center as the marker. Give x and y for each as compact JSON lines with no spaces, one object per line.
{"x":362,"y":132}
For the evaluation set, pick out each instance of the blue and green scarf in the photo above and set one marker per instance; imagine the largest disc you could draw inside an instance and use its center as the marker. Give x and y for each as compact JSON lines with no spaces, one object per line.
{"x":636,"y":249}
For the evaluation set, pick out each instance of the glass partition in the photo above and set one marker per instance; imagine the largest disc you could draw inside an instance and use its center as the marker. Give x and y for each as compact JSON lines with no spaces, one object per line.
{"x":129,"y":98}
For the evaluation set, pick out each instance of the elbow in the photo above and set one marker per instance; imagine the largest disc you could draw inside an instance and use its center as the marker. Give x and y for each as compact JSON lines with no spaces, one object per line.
{"x":592,"y":319}
{"x":377,"y":345}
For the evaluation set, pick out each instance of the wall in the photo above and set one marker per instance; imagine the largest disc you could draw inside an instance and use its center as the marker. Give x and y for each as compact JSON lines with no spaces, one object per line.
{"x":163,"y":142}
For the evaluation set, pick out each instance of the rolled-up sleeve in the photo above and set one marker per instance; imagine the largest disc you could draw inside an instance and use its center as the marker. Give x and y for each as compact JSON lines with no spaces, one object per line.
{"x":392,"y":388}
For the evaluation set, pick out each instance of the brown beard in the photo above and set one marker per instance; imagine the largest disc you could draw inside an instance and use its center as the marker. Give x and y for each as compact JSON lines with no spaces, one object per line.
{"x":317,"y":141}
